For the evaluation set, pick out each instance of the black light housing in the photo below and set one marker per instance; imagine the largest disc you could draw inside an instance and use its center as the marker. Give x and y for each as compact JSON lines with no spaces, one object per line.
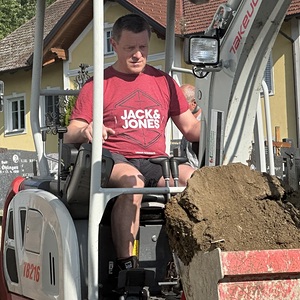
{"x":202,"y":51}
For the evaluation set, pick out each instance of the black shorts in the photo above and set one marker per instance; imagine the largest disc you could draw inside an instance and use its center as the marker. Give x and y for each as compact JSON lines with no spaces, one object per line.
{"x":151,"y":172}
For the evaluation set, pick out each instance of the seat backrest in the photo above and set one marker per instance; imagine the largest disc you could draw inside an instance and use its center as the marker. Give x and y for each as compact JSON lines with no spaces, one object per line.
{"x":77,"y":187}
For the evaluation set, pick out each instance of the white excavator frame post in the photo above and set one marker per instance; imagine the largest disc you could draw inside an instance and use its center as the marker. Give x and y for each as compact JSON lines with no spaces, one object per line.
{"x":97,"y":203}
{"x":36,"y":87}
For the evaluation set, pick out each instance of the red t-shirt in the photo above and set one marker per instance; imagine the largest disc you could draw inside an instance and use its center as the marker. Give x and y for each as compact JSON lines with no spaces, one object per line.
{"x":137,"y":107}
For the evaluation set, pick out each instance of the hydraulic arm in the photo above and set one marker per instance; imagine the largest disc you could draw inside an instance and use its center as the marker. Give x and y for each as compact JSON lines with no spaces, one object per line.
{"x":230,"y":95}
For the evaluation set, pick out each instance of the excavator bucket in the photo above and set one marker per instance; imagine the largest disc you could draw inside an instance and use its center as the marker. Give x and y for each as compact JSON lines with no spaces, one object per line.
{"x":243,"y":275}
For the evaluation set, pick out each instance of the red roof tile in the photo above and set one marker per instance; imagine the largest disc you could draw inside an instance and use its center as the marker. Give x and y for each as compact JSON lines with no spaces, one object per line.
{"x":294,"y":7}
{"x":190,"y":18}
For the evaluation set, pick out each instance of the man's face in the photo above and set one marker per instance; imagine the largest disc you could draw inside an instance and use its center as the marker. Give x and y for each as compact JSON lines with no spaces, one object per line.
{"x":132,"y":51}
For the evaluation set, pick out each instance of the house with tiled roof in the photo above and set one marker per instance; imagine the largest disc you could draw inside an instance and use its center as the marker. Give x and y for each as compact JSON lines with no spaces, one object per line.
{"x":68,"y":39}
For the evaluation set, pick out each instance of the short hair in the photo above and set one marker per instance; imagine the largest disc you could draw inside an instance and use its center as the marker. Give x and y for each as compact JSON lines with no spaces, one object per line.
{"x":189,"y":92}
{"x":131,"y":22}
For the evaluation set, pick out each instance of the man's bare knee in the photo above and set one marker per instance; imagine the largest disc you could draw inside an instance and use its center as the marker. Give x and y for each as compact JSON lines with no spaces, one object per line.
{"x":126,"y":176}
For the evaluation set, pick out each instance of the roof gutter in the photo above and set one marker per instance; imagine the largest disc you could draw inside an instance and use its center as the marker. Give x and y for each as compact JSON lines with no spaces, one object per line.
{"x":14,"y":70}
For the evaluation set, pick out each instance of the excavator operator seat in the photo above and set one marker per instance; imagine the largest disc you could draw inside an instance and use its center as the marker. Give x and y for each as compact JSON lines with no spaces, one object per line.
{"x":76,"y":192}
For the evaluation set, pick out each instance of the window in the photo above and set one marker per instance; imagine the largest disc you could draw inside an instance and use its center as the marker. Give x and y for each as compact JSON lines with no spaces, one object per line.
{"x":52,"y":109}
{"x":49,"y":112}
{"x":108,"y":49}
{"x":15,"y":112}
{"x":268,"y":76}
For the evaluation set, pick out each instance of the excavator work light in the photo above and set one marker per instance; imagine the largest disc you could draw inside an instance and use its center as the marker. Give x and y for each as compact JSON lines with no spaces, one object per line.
{"x":202,"y":51}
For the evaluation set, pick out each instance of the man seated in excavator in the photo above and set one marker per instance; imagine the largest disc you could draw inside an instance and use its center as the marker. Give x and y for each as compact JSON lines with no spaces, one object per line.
{"x":138,"y":101}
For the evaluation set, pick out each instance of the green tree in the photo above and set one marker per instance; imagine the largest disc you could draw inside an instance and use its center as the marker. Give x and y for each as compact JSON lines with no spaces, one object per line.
{"x":14,"y":13}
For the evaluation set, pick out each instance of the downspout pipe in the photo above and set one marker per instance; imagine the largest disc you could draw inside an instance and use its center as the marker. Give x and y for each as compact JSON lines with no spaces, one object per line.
{"x":269,"y":128}
{"x":259,"y":142}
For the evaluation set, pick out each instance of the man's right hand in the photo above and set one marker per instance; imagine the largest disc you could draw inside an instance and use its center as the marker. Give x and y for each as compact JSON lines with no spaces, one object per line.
{"x":87,"y":132}
{"x":106,"y":132}
{"x":81,"y":132}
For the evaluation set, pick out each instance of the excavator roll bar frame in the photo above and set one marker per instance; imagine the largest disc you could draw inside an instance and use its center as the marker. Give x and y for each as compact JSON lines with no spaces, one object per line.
{"x":242,"y":101}
{"x":98,"y":196}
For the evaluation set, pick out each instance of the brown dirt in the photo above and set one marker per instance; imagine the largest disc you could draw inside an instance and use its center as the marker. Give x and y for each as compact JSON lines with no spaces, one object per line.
{"x":233,"y":208}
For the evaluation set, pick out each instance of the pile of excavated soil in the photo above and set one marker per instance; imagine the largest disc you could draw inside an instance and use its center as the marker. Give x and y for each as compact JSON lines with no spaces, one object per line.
{"x":233,"y":208}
